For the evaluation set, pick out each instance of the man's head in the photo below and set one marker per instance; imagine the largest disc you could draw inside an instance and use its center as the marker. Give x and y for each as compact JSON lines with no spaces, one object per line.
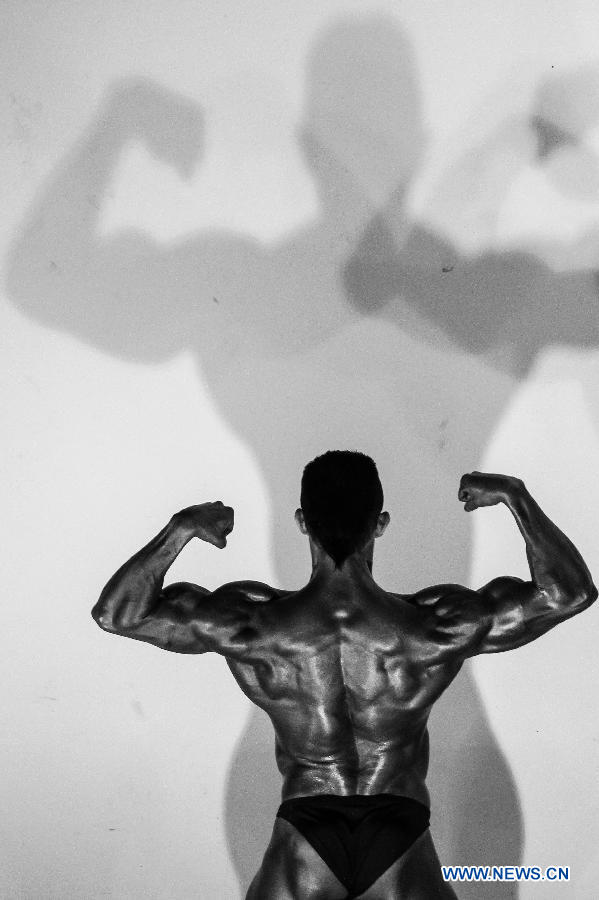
{"x":341,"y":503}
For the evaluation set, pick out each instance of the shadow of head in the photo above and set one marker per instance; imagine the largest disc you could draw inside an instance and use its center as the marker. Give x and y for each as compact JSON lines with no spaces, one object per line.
{"x":363,"y":104}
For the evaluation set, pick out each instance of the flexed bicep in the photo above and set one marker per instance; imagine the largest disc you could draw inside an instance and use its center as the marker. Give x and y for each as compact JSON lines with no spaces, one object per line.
{"x":190,"y":619}
{"x":508,"y":612}
{"x":560,"y":586}
{"x":517,"y":612}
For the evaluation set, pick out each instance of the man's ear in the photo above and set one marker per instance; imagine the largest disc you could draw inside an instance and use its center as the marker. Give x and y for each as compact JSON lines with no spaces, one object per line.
{"x":382,"y":522}
{"x":300,"y":521}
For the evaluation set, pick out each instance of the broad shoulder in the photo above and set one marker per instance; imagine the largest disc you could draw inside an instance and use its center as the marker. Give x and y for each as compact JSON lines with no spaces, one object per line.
{"x":438,"y":595}
{"x":251,"y":591}
{"x":452,"y":620}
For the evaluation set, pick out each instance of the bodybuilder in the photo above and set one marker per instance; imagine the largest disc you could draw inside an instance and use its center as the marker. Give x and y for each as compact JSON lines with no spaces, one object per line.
{"x":347,"y":671}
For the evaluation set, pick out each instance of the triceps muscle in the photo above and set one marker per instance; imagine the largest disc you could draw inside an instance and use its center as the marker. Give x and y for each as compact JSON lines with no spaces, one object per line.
{"x":190,"y":619}
{"x":520,"y":612}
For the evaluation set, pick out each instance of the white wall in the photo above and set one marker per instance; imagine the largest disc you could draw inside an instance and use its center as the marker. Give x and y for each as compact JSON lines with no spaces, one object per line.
{"x":225,"y":229}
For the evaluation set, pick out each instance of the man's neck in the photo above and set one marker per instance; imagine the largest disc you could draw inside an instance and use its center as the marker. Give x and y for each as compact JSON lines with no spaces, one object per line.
{"x":356,"y":568}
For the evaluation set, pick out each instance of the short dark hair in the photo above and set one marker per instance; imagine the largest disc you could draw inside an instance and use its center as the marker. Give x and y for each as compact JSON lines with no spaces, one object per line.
{"x":341,"y":498}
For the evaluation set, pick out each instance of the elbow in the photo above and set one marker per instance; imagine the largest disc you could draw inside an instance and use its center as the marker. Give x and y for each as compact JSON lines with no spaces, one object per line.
{"x":102,"y":619}
{"x":589,"y":596}
{"x":580,"y":600}
{"x":114,"y":621}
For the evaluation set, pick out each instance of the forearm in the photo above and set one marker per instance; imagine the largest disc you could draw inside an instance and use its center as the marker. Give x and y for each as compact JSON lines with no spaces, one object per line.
{"x":556,"y":566}
{"x":135,"y":589}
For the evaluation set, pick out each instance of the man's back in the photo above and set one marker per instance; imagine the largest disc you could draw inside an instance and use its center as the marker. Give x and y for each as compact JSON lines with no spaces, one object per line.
{"x":347,"y":673}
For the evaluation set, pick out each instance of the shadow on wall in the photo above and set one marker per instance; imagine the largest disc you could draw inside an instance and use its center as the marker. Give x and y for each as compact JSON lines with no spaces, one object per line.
{"x":362,"y":331}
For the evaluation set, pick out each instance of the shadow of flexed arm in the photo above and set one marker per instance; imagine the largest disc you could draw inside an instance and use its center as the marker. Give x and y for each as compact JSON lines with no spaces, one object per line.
{"x":219,"y":293}
{"x":115,"y":293}
{"x":506,"y":304}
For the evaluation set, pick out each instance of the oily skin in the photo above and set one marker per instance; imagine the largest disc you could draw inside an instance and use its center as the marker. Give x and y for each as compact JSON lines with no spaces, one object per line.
{"x":346,"y":671}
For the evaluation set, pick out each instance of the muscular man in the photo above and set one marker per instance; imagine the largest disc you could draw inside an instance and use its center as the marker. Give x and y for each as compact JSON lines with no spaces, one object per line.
{"x":347,"y":671}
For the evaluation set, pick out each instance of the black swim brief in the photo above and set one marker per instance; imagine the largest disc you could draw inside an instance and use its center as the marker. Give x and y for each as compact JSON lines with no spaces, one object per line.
{"x":358,"y":836}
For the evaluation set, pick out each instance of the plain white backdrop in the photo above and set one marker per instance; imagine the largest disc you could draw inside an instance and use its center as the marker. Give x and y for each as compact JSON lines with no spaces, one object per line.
{"x":312,"y":145}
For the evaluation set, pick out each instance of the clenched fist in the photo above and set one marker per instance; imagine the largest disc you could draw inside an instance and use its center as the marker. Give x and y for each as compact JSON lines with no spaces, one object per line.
{"x":483,"y":489}
{"x":210,"y":522}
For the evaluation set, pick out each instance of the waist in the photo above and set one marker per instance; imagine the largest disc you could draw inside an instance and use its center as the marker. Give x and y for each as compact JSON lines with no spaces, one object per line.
{"x":338,"y":780}
{"x":356,"y":806}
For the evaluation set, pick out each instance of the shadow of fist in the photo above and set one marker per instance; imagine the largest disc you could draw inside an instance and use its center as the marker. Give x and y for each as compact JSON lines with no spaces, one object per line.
{"x":170,"y":125}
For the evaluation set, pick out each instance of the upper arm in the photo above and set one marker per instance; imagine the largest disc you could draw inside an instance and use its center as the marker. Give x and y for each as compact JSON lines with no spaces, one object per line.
{"x":504,"y":614}
{"x":191,"y":619}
